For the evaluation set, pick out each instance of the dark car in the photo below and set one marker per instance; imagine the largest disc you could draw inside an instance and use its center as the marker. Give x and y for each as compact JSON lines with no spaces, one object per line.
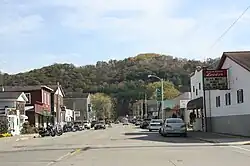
{"x":93,"y":122}
{"x":138,"y":122}
{"x":145,"y":123}
{"x":78,"y":125}
{"x":100,"y":125}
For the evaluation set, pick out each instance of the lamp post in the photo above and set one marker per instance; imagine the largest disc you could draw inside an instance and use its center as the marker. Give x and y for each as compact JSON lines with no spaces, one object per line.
{"x":162,"y":93}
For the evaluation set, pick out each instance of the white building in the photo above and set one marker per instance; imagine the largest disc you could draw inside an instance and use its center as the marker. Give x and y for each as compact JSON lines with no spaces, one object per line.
{"x":12,"y":107}
{"x":227,"y":111}
{"x":196,"y":102}
{"x":69,"y":115}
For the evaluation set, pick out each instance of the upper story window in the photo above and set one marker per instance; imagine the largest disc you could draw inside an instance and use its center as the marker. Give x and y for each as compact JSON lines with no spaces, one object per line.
{"x":217,"y":101}
{"x":228,"y":98}
{"x":193,"y":89}
{"x":199,"y":86}
{"x":240,"y":96}
{"x":28,"y":95}
{"x":196,"y":92}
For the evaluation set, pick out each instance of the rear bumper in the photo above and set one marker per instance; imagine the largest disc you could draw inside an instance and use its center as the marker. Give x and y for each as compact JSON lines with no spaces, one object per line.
{"x":154,"y":127}
{"x":175,"y":131}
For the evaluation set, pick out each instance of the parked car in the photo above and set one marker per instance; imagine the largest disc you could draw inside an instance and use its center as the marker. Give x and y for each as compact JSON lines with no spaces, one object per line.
{"x":145,"y":123}
{"x":138,"y":122}
{"x":87,"y":124}
{"x":173,"y":126}
{"x":93,"y":122}
{"x":117,"y":122}
{"x":100,"y":125}
{"x":155,"y":124}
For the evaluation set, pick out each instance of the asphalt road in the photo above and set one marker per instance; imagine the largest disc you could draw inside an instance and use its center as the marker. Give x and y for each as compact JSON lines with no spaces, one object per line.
{"x":120,"y":146}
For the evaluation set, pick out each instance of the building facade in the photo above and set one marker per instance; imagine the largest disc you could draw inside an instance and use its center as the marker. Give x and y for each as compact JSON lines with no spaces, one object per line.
{"x":57,"y":105}
{"x":38,"y":106}
{"x":12,"y":108}
{"x":229,"y":109}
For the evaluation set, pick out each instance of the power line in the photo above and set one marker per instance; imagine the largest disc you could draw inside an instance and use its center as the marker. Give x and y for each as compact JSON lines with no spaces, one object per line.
{"x":230,"y":27}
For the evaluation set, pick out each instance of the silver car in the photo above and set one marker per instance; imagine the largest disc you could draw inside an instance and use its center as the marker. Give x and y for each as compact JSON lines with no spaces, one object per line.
{"x":173,"y":126}
{"x":155,"y":124}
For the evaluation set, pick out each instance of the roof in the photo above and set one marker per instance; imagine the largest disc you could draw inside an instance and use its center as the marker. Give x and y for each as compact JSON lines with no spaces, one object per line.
{"x":54,"y":87}
{"x":26,"y":88}
{"x":242,"y":58}
{"x":10,"y":95}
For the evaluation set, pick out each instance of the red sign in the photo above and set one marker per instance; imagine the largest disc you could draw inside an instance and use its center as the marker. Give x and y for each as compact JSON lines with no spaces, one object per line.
{"x":215,"y":73}
{"x":215,"y":79}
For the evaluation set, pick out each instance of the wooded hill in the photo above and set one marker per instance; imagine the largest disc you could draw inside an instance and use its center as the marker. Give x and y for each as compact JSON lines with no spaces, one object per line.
{"x":125,"y":80}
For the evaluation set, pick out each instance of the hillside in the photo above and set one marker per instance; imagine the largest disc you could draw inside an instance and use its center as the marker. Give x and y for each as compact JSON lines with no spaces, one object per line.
{"x":123,"y":79}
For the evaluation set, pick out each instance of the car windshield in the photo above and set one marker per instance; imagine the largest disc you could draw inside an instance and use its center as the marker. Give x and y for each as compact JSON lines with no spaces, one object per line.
{"x":174,"y":121}
{"x":156,"y":121}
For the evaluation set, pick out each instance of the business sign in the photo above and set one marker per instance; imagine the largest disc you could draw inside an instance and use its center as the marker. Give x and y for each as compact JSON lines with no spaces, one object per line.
{"x":215,"y":79}
{"x":183,"y":103}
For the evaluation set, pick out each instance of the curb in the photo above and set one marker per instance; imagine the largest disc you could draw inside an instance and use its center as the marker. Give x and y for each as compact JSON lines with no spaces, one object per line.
{"x":205,"y":140}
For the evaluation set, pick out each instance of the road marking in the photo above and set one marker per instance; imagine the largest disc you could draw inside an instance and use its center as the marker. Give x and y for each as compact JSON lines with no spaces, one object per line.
{"x":76,"y":151}
{"x":238,"y":147}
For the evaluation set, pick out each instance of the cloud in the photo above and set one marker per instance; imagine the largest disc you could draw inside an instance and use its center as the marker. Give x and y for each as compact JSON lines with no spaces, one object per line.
{"x":20,"y":25}
{"x":84,"y":31}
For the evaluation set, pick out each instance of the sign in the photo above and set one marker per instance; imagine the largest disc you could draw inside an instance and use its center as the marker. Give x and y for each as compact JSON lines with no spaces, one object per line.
{"x":77,"y":113}
{"x":183,"y":103}
{"x":215,"y":79}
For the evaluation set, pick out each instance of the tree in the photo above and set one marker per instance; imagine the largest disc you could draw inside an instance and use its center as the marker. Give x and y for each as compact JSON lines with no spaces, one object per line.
{"x":102,"y":105}
{"x":170,"y":91}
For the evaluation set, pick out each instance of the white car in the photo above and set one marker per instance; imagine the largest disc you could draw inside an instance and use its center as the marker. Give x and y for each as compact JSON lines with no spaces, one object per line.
{"x":173,"y":126}
{"x":155,"y":124}
{"x":87,"y":124}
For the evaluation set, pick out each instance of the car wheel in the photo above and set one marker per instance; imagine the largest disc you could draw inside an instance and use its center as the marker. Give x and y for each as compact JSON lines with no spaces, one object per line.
{"x":150,"y":130}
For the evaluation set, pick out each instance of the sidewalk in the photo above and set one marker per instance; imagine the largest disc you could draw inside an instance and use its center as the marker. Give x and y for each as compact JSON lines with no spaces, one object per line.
{"x":217,"y":138}
{"x":19,"y":137}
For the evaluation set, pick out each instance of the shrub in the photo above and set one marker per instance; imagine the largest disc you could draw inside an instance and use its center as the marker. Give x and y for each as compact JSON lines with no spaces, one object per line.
{"x":3,"y":125}
{"x":28,"y":129}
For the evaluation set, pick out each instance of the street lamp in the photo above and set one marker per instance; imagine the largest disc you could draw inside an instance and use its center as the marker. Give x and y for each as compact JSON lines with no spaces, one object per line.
{"x":162,"y":93}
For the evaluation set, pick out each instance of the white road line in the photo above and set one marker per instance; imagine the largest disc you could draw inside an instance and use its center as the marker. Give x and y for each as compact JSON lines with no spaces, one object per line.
{"x":238,"y":147}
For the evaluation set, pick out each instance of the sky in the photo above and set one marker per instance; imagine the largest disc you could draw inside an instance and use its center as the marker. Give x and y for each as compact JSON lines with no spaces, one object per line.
{"x":37,"y":33}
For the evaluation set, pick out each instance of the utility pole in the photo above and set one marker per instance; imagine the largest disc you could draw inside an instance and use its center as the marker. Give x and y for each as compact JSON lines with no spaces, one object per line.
{"x":162,"y":98}
{"x":146,"y":108}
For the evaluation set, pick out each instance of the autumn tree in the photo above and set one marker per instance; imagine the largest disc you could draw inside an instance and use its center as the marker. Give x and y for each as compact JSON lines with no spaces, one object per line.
{"x":170,"y":91}
{"x":102,"y":105}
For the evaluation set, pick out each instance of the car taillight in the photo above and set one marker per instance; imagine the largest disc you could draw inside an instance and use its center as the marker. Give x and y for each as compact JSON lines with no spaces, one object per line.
{"x":168,"y":126}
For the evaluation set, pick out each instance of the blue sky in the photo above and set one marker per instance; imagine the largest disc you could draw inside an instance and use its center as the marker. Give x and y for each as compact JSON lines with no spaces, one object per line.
{"x":35,"y":33}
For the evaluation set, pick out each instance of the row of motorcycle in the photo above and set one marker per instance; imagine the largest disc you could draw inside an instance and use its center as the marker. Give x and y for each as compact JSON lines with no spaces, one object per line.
{"x":56,"y":130}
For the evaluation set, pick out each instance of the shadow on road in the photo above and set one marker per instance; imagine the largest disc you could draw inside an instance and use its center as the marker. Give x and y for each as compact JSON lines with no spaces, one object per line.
{"x":155,"y":136}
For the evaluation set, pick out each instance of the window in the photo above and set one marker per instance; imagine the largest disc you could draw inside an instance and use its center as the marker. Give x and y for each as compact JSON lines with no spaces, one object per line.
{"x":228,"y":98}
{"x":196,"y":92}
{"x":28,"y":95}
{"x":199,"y":86}
{"x":193,"y":89}
{"x":217,"y":102}
{"x":240,"y":96}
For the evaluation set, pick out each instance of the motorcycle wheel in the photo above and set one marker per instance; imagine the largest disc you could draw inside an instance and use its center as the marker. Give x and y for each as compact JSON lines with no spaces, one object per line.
{"x":52,"y":134}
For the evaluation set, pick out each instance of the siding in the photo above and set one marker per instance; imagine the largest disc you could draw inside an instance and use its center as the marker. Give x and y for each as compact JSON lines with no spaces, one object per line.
{"x":239,"y":78}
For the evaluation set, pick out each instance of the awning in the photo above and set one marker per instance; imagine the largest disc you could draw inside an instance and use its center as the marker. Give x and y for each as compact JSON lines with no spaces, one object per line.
{"x":23,"y":117}
{"x":195,"y":104}
{"x":29,"y":108}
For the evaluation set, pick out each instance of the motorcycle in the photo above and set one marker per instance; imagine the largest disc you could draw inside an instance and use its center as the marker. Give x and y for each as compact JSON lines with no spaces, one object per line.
{"x":48,"y":131}
{"x":58,"y":130}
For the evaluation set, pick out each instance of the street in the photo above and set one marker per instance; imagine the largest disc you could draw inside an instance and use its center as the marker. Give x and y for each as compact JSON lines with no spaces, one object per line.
{"x":120,"y":145}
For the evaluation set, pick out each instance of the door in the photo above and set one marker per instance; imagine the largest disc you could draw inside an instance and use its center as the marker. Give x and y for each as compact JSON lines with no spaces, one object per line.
{"x":14,"y":125}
